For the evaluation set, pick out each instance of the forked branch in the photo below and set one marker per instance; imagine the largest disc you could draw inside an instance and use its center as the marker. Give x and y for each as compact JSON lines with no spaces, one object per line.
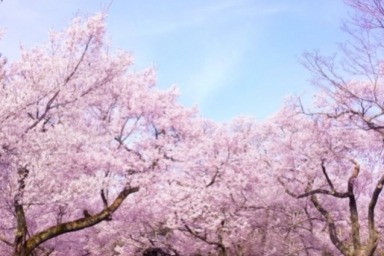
{"x":331,"y":226}
{"x":373,"y":235}
{"x":78,"y":224}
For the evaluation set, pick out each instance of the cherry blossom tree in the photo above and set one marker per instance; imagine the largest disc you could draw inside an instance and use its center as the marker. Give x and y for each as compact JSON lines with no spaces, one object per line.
{"x":95,"y":160}
{"x":226,"y":203}
{"x":334,"y":150}
{"x":79,"y":134}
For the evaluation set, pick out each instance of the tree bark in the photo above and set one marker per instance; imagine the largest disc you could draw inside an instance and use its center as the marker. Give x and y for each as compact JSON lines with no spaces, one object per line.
{"x":28,"y":246}
{"x":331,"y":226}
{"x":354,"y":216}
{"x":373,"y":235}
{"x":21,"y":227}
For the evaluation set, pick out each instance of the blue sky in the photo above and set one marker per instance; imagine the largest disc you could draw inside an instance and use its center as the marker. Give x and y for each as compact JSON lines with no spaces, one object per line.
{"x":229,"y":57}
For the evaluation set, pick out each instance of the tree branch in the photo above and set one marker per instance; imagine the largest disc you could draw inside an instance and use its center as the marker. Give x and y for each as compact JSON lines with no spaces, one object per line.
{"x":78,"y":224}
{"x":47,"y":108}
{"x":204,"y":239}
{"x":213,"y":179}
{"x":326,"y":176}
{"x":313,"y":192}
{"x":21,"y":229}
{"x":373,"y":235}
{"x":105,"y":201}
{"x":331,"y":226}
{"x":354,"y":216}
{"x":2,"y":239}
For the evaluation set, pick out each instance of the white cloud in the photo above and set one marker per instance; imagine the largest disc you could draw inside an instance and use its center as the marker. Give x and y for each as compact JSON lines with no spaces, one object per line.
{"x":224,"y":56}
{"x":215,"y":73}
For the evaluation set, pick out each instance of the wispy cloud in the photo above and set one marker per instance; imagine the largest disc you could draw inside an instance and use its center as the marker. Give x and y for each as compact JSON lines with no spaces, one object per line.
{"x":227,"y":47}
{"x":213,"y":75}
{"x":208,"y":48}
{"x":194,"y":13}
